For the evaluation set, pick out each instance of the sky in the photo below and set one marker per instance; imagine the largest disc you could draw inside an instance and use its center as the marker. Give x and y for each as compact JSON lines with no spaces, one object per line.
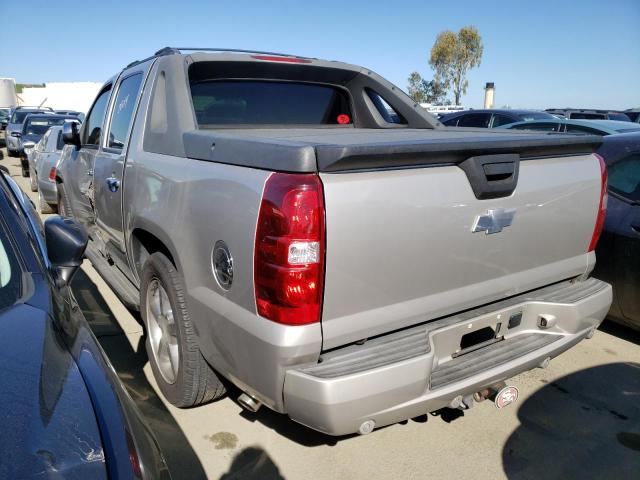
{"x":542,"y":54}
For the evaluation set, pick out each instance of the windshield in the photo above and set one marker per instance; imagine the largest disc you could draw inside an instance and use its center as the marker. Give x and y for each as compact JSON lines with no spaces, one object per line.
{"x":254,"y":102}
{"x":20,"y":115}
{"x":39,"y":126}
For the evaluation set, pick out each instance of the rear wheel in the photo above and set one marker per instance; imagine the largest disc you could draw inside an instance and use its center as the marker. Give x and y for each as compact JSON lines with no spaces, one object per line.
{"x":63,"y":207}
{"x":25,"y":169}
{"x":33,"y":182}
{"x":183,"y":375}
{"x":44,"y":206}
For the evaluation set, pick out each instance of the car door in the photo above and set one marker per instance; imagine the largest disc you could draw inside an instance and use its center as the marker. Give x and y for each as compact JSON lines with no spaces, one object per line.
{"x":79,"y":165}
{"x":624,"y":186}
{"x":109,"y":166}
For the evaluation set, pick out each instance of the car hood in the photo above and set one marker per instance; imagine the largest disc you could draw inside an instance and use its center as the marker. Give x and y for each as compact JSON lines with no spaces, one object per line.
{"x":48,"y":422}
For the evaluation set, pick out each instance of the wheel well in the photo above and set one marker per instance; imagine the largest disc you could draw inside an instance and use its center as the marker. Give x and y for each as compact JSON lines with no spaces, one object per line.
{"x":143,"y":245}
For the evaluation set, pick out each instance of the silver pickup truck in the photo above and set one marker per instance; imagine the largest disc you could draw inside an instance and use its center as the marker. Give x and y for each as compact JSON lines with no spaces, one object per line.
{"x":304,"y":230}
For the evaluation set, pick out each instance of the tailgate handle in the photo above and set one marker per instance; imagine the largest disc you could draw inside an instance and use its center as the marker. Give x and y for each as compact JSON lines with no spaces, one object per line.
{"x":492,"y":176}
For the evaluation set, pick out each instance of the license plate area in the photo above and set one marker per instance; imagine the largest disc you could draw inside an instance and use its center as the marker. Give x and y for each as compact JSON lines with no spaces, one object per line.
{"x":472,"y":341}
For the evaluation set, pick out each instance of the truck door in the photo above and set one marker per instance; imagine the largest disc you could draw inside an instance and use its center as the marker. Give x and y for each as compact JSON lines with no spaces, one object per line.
{"x":109,"y":168}
{"x":79,"y":163}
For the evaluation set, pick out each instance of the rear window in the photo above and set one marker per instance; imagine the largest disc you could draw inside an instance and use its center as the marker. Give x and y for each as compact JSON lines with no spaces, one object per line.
{"x":619,"y":116}
{"x":529,"y":116}
{"x":259,"y":102}
{"x":39,"y":126}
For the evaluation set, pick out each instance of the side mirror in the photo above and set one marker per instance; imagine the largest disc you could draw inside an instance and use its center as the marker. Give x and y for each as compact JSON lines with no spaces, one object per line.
{"x":66,"y":242}
{"x":71,"y":134}
{"x":27,"y":145}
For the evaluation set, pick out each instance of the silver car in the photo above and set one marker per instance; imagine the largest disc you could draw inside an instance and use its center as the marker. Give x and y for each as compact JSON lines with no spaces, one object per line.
{"x":13,"y":131}
{"x":42,"y":164}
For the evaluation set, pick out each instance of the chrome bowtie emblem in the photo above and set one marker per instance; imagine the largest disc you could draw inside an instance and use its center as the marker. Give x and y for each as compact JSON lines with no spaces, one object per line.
{"x":494,"y":220}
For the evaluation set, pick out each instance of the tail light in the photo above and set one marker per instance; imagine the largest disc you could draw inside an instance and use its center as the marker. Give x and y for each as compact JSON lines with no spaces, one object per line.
{"x":52,"y":174}
{"x":134,"y":459}
{"x":602,"y":208}
{"x":289,"y":249}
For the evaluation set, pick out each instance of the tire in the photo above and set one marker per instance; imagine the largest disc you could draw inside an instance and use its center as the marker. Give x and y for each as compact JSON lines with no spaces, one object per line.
{"x":25,"y":172}
{"x":33,"y":182}
{"x":43,"y":206}
{"x":193,"y":382}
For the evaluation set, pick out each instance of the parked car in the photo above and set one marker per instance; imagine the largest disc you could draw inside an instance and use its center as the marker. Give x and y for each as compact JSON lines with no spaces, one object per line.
{"x":492,"y":118}
{"x":619,"y":249}
{"x":588,"y":127}
{"x":63,"y":410}
{"x":589,"y":114}
{"x":4,"y":120}
{"x":42,"y":168}
{"x":34,"y":127}
{"x":14,"y":127}
{"x":345,"y":266}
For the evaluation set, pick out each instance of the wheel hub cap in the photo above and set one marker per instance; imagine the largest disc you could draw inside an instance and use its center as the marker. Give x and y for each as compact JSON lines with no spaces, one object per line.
{"x":162,"y":331}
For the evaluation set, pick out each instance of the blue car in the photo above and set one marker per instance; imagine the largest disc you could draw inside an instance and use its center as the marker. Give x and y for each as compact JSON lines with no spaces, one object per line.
{"x":618,"y":252}
{"x":63,"y":411}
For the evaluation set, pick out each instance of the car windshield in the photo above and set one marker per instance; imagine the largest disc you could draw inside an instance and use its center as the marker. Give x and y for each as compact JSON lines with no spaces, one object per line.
{"x":220,"y":102}
{"x":529,"y":116}
{"x":39,"y":126}
{"x":19,"y":115}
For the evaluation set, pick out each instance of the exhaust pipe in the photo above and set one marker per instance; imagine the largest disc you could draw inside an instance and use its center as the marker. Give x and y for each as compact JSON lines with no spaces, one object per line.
{"x":488,"y":393}
{"x":249,"y":403}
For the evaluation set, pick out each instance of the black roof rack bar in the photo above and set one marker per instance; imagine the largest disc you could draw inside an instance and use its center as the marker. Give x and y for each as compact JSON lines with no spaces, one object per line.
{"x":177,"y":50}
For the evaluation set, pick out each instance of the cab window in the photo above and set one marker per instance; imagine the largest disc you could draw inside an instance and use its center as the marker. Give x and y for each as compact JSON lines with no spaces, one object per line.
{"x":123,"y":110}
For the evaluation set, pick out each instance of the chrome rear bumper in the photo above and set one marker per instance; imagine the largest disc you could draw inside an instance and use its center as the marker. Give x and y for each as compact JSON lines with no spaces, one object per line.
{"x":411,"y":372}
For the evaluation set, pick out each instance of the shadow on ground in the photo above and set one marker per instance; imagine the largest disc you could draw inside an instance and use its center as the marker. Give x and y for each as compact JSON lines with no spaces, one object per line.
{"x":621,"y":331}
{"x":129,"y":363}
{"x":584,"y":425}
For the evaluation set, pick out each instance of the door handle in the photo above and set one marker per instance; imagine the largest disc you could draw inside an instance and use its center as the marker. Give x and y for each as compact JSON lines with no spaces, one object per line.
{"x":113,"y":183}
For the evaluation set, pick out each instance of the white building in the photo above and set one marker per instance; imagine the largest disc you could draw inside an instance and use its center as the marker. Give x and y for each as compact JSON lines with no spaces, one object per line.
{"x":61,"y":95}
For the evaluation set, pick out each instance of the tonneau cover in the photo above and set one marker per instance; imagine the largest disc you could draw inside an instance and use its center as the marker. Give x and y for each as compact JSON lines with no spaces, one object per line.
{"x":338,"y":149}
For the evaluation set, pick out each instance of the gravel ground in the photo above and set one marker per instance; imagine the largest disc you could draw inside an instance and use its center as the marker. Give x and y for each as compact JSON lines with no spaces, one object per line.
{"x":579,"y":418}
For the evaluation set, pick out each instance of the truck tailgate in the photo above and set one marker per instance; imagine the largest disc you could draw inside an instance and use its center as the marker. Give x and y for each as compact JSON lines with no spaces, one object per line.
{"x":401,"y":250}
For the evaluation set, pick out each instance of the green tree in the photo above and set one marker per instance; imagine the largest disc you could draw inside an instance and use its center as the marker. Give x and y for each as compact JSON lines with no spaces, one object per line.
{"x":426,"y":91}
{"x":453,"y":55}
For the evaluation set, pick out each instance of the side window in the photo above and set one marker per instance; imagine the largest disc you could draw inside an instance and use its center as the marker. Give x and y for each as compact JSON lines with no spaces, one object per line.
{"x":452,"y":122}
{"x":10,"y":273}
{"x":123,"y":109}
{"x":386,"y":111}
{"x":624,"y":177}
{"x":539,"y":127}
{"x":499,"y":119}
{"x":93,"y":125}
{"x":478,"y":120}
{"x":582,"y":130}
{"x":42,"y":144}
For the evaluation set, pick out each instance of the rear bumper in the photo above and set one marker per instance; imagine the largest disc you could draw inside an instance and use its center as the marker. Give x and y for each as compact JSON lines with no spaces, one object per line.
{"x":415,"y":371}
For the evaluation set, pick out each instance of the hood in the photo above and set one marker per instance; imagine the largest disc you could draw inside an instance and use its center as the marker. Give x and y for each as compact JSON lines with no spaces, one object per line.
{"x":48,"y":423}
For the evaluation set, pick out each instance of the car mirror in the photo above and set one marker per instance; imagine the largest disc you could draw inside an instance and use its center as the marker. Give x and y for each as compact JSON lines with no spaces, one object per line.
{"x":66,"y":242}
{"x":29,"y":145}
{"x":71,"y":134}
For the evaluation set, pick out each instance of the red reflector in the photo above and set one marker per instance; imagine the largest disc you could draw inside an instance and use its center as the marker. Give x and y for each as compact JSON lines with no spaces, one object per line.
{"x":602,"y":207}
{"x":52,"y":174}
{"x":343,"y":119}
{"x":289,"y":249}
{"x":273,"y":58}
{"x":134,"y":460}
